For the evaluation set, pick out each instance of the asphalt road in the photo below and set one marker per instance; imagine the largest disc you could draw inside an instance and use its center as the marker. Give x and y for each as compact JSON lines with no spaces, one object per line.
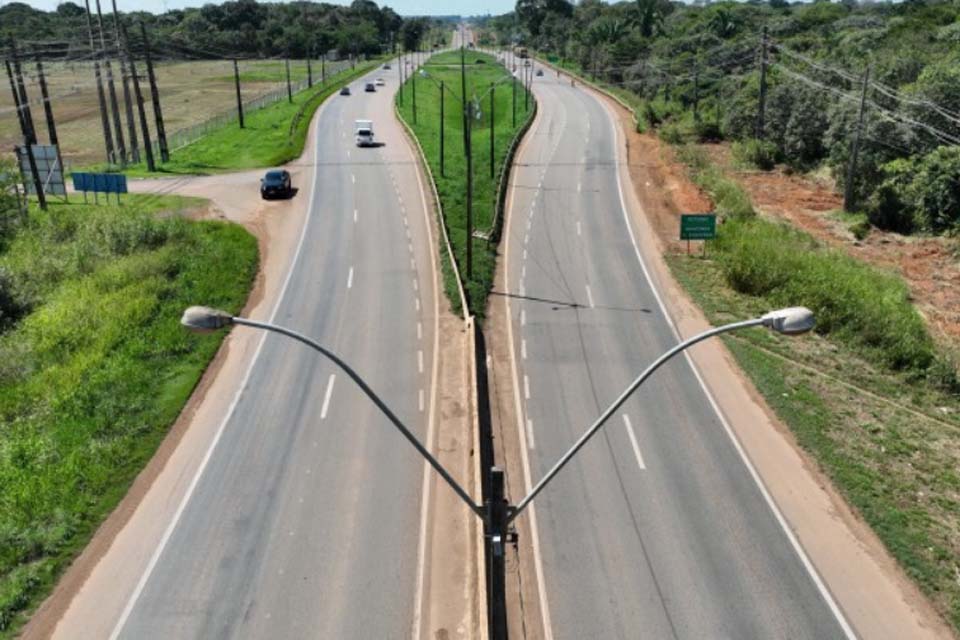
{"x":656,"y":529}
{"x":305,"y":521}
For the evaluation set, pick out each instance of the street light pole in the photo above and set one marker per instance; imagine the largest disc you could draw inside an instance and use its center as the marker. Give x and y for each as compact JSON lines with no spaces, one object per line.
{"x":442,"y":174}
{"x":497,"y":513}
{"x":205,"y":319}
{"x":467,"y":112}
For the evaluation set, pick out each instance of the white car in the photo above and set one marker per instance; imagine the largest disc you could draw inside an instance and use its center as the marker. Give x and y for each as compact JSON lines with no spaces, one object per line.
{"x":379,"y":82}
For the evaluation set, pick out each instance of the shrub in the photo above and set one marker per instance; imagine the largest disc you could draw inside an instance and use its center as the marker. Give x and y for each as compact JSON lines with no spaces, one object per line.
{"x":672,"y":133}
{"x":855,"y":302}
{"x":760,"y":154}
{"x":919,"y":193}
{"x":708,"y":131}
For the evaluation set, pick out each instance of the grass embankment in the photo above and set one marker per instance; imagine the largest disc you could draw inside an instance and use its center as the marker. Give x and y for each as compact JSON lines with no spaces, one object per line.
{"x":94,"y":367}
{"x":267,"y":139}
{"x":451,"y":182}
{"x":871,"y":395}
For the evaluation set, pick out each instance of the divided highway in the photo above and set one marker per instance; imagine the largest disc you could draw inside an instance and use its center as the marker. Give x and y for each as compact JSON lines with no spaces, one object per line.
{"x":304,"y":520}
{"x":657,"y":528}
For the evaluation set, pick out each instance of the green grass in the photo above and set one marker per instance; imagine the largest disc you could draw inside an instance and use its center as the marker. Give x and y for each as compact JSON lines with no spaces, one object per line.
{"x":729,"y":198}
{"x":265,"y":141}
{"x":96,"y":368}
{"x":889,"y":442}
{"x":445,"y":67}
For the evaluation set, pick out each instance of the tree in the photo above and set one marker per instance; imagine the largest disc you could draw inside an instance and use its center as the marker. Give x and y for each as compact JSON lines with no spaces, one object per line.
{"x":650,"y":16}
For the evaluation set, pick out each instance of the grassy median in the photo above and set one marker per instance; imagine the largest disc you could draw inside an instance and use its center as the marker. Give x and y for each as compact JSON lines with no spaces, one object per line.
{"x":481,"y":71}
{"x":94,"y":367}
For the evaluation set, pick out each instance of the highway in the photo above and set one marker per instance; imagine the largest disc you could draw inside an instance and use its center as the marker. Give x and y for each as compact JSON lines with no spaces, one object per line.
{"x":304,"y":521}
{"x":657,"y":528}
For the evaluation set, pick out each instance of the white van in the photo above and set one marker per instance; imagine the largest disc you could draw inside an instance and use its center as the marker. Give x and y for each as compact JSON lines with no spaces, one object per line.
{"x":364,"y":133}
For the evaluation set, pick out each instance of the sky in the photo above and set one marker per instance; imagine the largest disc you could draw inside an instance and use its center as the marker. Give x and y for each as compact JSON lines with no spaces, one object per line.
{"x":403,"y":7}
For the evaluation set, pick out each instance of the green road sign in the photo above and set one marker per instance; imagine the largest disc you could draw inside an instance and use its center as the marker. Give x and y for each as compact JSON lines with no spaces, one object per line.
{"x":701,"y":226}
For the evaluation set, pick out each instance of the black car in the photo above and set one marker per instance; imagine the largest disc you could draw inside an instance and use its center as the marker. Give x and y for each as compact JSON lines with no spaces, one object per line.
{"x":369,"y":88}
{"x":345,"y":91}
{"x":276,"y":184}
{"x":539,"y":72}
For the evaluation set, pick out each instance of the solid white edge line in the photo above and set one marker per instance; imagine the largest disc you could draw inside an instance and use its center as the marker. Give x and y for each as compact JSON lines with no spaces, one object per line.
{"x":781,"y":520}
{"x":633,"y":441}
{"x":326,"y":396}
{"x":138,"y":590}
{"x":416,"y":626}
{"x":518,"y":408}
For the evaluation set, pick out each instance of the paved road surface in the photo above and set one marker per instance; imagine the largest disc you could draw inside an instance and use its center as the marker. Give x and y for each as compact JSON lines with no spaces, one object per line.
{"x":305,"y":522}
{"x":656,"y":529}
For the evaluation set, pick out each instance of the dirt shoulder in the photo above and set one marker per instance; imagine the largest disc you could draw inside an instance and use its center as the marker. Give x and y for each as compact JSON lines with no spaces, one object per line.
{"x":872,"y":591}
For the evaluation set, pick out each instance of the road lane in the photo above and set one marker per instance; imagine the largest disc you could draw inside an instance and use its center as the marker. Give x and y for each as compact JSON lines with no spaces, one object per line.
{"x":298,"y":523}
{"x":687,"y":546}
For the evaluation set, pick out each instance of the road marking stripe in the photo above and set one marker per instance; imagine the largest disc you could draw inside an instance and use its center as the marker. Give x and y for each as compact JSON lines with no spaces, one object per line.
{"x":524,"y":254}
{"x":416,"y":285}
{"x":420,"y":360}
{"x":590,"y":296}
{"x":420,"y":401}
{"x":419,"y":330}
{"x":787,"y":530}
{"x":326,"y":396}
{"x":354,"y":215}
{"x":526,"y":387}
{"x":633,"y":441}
{"x":416,"y":303}
{"x":523,"y":271}
{"x":523,"y":348}
{"x":353,"y":178}
{"x":530,"y":440}
{"x":350,"y":279}
{"x":526,"y":238}
{"x":578,"y":187}
{"x":405,"y":223}
{"x":523,"y":290}
{"x":578,"y":228}
{"x":523,"y":317}
{"x":168,"y":532}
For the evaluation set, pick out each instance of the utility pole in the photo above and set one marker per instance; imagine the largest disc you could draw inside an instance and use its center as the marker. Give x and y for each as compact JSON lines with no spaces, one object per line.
{"x":761,"y":112}
{"x":37,"y":182}
{"x":400,"y":74}
{"x":104,"y":119}
{"x":127,"y":102}
{"x":114,"y":108}
{"x":147,"y":146}
{"x":413,"y":90}
{"x":323,"y":68}
{"x":29,"y":131}
{"x":696,"y":90}
{"x":526,"y":89}
{"x":467,"y":113}
{"x":514,"y":83}
{"x":289,"y":89}
{"x":848,"y":194}
{"x":16,"y":98}
{"x":442,"y":174}
{"x":236,"y":81}
{"x":48,"y":112}
{"x":309,"y":71}
{"x":492,"y":129}
{"x":155,"y":96}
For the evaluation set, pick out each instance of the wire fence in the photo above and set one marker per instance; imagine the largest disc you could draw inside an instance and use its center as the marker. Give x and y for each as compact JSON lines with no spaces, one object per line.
{"x":187,"y":135}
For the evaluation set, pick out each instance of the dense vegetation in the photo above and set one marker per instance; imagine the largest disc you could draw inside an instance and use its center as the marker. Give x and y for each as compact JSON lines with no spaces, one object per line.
{"x":695,"y":72}
{"x":239,"y":28}
{"x":94,"y":367}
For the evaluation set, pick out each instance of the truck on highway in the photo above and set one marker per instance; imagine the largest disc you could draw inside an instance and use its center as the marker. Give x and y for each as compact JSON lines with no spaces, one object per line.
{"x":364,"y":133}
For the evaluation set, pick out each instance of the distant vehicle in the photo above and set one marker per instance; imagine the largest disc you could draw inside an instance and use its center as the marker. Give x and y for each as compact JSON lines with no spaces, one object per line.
{"x":539,"y":72}
{"x":526,"y":62}
{"x":379,"y":82}
{"x":345,"y":91}
{"x":370,"y":88}
{"x":364,"y":133}
{"x":386,"y":65}
{"x":276,"y":184}
{"x":520,"y":52}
